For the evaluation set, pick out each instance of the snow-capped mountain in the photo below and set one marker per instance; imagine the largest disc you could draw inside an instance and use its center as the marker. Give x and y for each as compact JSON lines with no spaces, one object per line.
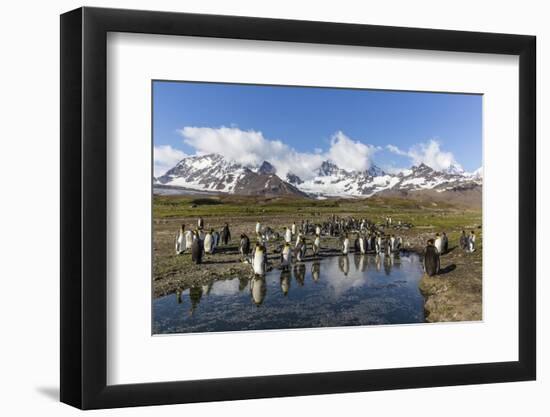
{"x":330,"y":180}
{"x":422,"y":177}
{"x":214,"y":173}
{"x":208,"y":172}
{"x":454,"y":170}
{"x":477,"y":174}
{"x":266,"y":168}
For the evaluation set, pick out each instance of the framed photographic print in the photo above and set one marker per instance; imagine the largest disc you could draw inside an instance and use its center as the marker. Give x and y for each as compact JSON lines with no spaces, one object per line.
{"x":258,"y":207}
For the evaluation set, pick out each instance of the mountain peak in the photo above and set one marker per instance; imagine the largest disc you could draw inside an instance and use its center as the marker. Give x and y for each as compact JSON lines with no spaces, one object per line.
{"x":422,"y":168}
{"x":454,"y":170}
{"x":375,"y":171}
{"x":293,"y":179}
{"x":327,"y":168}
{"x":266,"y":168}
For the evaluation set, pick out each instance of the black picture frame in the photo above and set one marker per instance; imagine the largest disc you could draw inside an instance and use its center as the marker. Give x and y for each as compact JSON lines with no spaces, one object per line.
{"x":84,"y":207}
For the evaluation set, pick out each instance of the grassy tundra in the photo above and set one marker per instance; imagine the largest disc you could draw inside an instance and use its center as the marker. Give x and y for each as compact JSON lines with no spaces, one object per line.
{"x":454,"y":295}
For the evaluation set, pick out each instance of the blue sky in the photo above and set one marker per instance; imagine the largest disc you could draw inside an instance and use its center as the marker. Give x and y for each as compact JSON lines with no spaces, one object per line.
{"x":302,"y":125}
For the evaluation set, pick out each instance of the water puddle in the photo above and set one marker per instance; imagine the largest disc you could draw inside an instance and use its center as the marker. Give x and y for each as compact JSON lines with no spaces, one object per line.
{"x":334,"y":291}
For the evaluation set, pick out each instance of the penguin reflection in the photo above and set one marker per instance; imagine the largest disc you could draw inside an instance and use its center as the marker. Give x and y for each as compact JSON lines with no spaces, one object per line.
{"x":356,"y":261}
{"x":343,"y":264}
{"x":316,"y":271}
{"x":243,"y":283}
{"x":396,"y":260}
{"x":361,"y":263}
{"x":258,"y":290}
{"x":285,"y":281}
{"x":300,"y":274}
{"x":207,"y":288}
{"x":388,"y":263}
{"x":195,"y":295}
{"x":378,"y":262}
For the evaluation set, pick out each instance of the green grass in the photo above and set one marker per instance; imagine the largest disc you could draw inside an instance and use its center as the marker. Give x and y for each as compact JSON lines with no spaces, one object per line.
{"x":170,"y":206}
{"x":439,"y":217}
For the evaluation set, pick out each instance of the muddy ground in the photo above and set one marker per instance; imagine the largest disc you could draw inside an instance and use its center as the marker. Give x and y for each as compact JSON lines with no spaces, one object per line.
{"x":455,"y":294}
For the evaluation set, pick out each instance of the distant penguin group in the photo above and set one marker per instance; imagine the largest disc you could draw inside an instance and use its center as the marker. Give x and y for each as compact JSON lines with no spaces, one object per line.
{"x":294,"y":249}
{"x":438,"y":246}
{"x":199,"y":242}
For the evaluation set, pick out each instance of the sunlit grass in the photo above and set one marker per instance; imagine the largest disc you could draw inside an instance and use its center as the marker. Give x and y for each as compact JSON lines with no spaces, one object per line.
{"x":440,"y":216}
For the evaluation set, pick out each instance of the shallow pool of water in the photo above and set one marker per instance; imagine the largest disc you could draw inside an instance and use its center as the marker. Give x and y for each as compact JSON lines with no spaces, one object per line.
{"x":348,"y":290}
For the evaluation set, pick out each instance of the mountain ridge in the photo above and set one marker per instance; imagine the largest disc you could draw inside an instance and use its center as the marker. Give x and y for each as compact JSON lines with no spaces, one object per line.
{"x":214,"y":173}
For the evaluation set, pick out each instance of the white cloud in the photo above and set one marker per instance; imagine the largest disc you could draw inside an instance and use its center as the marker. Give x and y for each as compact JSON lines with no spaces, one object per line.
{"x":225,"y":287}
{"x":250,"y":148}
{"x":429,"y":153}
{"x":396,"y":150}
{"x":245,"y":147}
{"x":349,"y":154}
{"x":165,"y":157}
{"x":301,"y":164}
{"x":392,"y":169}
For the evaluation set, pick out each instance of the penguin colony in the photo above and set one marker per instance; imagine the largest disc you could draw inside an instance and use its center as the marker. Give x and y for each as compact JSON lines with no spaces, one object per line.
{"x":357,"y":236}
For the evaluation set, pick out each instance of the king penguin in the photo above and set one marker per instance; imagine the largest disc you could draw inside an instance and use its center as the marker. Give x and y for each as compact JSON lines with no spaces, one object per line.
{"x":209,"y":243}
{"x":180,"y":240}
{"x":197,"y":250}
{"x":286,"y":256}
{"x":345,"y":245}
{"x":258,"y":263}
